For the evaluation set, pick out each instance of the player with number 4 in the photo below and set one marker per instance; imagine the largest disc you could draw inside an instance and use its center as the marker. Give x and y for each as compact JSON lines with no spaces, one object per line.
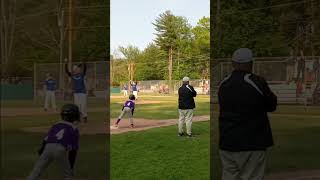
{"x":128,"y":108}
{"x":60,"y":145}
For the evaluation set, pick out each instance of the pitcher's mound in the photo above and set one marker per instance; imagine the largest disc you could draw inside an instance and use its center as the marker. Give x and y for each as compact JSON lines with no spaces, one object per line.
{"x":145,"y":102}
{"x":93,"y":128}
{"x":90,"y":128}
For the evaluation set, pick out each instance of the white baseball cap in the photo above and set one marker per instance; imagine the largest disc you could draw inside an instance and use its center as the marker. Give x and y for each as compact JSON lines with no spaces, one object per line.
{"x":242,"y":55}
{"x":185,"y":79}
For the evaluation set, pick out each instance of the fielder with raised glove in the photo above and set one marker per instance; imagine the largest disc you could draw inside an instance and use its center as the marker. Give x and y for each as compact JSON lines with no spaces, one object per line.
{"x":61,"y":144}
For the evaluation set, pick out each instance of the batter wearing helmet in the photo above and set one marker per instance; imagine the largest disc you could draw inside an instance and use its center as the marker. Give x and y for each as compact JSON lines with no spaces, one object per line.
{"x":61,"y":144}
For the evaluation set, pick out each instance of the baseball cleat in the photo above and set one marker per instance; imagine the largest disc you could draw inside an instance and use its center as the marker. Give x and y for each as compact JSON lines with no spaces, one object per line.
{"x":190,"y":136}
{"x":180,"y":134}
{"x":132,"y":126}
{"x":114,"y":127}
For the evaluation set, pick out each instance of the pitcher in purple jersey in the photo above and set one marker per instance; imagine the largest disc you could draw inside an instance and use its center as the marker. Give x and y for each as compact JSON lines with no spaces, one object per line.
{"x":128,"y":108}
{"x":61,"y":144}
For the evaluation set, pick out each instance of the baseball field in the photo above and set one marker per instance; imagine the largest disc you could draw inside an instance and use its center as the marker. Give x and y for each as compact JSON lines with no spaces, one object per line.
{"x":157,"y":152}
{"x":23,"y":126}
{"x":152,"y":150}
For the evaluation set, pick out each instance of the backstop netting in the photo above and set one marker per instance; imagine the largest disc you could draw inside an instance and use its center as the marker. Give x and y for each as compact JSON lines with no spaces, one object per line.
{"x":95,"y":80}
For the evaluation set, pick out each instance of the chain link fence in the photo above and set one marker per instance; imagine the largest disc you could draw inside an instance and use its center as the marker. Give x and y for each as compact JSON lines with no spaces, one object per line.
{"x":162,"y":86}
{"x":281,"y":74}
{"x":273,"y":69}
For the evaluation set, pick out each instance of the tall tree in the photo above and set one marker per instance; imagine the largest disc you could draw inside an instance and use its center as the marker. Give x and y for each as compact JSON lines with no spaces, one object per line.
{"x":170,"y":30}
{"x":201,"y":45}
{"x":152,"y":64}
{"x":131,"y":54}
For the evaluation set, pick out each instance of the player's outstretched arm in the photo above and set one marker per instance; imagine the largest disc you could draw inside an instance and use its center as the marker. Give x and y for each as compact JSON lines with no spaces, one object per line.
{"x":84,"y":68}
{"x":270,"y":98}
{"x":67,"y":70}
{"x":194,"y":92}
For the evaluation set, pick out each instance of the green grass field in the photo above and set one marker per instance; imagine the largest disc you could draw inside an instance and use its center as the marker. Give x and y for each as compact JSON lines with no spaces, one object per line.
{"x":166,"y":109}
{"x":158,"y":153}
{"x":19,"y":149}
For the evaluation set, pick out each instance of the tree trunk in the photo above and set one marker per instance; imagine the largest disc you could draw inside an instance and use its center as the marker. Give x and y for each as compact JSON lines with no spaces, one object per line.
{"x":2,"y":36}
{"x":170,"y":69}
{"x":7,"y":29}
{"x":12,"y":24}
{"x":70,"y":30}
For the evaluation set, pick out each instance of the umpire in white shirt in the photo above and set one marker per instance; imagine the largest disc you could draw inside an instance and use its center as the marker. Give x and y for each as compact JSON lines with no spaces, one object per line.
{"x":186,"y":106}
{"x":244,"y":127}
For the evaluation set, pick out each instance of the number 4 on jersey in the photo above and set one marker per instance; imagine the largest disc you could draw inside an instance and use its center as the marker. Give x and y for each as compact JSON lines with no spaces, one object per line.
{"x":60,"y":134}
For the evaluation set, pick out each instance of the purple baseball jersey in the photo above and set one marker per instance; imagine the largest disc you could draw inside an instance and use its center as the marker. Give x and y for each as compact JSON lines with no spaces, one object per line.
{"x":64,"y":133}
{"x":130,"y":104}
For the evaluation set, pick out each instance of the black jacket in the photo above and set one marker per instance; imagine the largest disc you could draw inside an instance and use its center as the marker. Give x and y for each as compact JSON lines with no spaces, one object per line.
{"x":244,"y":101}
{"x":186,"y":94}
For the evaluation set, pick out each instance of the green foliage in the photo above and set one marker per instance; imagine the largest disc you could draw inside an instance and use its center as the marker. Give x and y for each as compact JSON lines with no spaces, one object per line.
{"x":131,"y":53}
{"x":152,"y":64}
{"x":172,"y":31}
{"x":266,"y":29}
{"x":37,"y":35}
{"x":190,"y":45}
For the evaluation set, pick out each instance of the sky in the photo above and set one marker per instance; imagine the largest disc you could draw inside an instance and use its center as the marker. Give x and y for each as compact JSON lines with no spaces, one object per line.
{"x":131,"y":20}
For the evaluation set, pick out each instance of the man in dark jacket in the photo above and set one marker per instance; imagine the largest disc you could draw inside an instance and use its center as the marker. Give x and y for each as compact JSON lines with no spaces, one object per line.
{"x":186,"y":106}
{"x":245,"y":133}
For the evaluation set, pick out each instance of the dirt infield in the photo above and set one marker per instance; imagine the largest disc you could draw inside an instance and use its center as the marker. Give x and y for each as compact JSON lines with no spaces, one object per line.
{"x":33,"y":111}
{"x":297,"y":175}
{"x":144,"y":124}
{"x":75,"y":178}
{"x":85,"y":129}
{"x":101,"y":128}
{"x":140,"y":96}
{"x":9,"y":112}
{"x":144,"y":102}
